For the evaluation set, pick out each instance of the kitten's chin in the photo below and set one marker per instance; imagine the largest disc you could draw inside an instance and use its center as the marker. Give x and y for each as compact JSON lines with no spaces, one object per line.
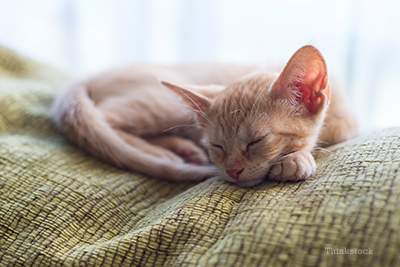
{"x":249,"y":183}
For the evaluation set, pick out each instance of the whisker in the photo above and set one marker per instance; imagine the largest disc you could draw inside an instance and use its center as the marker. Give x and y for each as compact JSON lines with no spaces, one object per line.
{"x":281,"y":157}
{"x":254,"y":121}
{"x":237,"y":111}
{"x":205,"y":116}
{"x":199,"y":111}
{"x":258,"y":97}
{"x":318,"y":148}
{"x":183,"y":125}
{"x":202,"y":113}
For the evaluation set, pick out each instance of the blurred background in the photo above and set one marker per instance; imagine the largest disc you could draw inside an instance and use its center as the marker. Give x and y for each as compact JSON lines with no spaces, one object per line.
{"x":360,"y":40}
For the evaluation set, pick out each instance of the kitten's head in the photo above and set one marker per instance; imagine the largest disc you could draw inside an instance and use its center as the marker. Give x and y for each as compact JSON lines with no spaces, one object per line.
{"x":254,"y":122}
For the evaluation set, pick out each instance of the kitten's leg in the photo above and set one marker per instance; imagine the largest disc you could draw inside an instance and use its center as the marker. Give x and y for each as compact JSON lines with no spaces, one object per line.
{"x":185,"y":148}
{"x":338,"y":128}
{"x":340,"y":123}
{"x":147,"y":147}
{"x":296,"y":166}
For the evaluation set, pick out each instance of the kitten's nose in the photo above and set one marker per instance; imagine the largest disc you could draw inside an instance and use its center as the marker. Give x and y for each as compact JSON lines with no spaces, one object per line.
{"x":235,"y":173}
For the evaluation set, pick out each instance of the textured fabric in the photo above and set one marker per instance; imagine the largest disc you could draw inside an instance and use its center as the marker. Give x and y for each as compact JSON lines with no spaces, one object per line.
{"x":60,"y":207}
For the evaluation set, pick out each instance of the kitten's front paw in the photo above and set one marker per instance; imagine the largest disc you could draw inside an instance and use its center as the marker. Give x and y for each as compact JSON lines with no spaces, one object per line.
{"x":294,"y":167}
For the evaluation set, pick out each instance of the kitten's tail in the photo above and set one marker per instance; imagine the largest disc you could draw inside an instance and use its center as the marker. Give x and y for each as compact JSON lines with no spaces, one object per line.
{"x":75,"y":115}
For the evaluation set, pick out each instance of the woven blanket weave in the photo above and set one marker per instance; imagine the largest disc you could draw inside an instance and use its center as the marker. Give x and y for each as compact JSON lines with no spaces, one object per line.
{"x":61,"y":207}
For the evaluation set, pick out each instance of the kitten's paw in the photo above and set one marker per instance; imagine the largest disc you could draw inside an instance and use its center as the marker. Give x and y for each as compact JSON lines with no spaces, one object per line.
{"x":190,"y":152}
{"x":167,"y":154}
{"x":294,"y":167}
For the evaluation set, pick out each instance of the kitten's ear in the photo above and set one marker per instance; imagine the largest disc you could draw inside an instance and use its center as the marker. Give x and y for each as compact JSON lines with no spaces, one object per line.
{"x":191,"y":96}
{"x":304,"y":80}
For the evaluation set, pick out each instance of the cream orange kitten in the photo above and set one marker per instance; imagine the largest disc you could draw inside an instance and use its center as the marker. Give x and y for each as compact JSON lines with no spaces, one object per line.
{"x":253,"y":124}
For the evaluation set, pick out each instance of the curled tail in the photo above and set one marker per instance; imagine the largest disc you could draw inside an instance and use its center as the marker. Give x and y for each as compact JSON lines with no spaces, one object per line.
{"x":76,"y":115}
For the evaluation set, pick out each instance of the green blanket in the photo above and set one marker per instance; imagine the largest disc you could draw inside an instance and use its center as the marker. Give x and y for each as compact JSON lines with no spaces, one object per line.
{"x":61,"y":207}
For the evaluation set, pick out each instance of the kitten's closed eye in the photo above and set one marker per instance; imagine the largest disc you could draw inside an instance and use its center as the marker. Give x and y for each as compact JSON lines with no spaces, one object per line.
{"x":253,"y":144}
{"x":218,"y":146}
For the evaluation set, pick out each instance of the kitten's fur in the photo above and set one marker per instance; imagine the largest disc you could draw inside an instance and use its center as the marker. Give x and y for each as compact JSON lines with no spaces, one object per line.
{"x":254,"y":125}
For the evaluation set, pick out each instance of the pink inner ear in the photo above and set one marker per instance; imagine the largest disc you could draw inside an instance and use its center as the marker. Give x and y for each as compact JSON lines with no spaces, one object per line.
{"x":310,"y":92}
{"x":305,"y":77}
{"x":306,"y":97}
{"x":312,"y":84}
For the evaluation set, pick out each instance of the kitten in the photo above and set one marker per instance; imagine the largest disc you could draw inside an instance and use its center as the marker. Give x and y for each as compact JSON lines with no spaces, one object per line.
{"x":253,"y":124}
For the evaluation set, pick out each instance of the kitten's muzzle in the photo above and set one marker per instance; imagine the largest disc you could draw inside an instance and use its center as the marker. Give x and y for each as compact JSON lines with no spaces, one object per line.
{"x":234,"y":173}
